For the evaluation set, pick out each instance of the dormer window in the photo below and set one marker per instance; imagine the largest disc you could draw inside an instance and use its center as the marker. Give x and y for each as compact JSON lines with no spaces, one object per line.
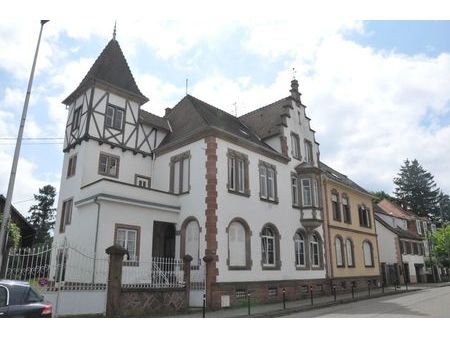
{"x":308,"y":152}
{"x":114,"y":117}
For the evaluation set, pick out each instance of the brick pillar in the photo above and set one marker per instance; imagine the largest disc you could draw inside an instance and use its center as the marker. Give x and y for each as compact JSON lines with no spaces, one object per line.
{"x":211,"y":215}
{"x":116,"y":253}
{"x":187,"y":259}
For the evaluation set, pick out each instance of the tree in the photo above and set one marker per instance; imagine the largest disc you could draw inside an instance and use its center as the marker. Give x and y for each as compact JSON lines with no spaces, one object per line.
{"x":442,"y":211}
{"x":441,"y":245}
{"x":14,"y":235}
{"x":380,"y":195}
{"x":416,"y":188}
{"x":43,"y":214}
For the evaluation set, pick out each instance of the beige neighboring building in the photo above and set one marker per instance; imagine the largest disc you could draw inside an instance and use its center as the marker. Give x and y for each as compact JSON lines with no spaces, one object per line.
{"x":350,"y":233}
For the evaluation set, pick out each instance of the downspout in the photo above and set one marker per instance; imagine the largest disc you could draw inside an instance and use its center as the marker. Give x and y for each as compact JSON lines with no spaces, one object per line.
{"x":96,"y":239}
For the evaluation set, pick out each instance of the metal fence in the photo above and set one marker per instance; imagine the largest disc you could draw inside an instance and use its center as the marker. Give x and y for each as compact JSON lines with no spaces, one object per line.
{"x":57,"y":266}
{"x":159,"y":272}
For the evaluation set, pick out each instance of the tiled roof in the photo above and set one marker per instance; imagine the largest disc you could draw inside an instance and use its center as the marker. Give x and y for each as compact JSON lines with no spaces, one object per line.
{"x":191,"y":115}
{"x":265,"y":121}
{"x":400,"y":232}
{"x":111,"y":67}
{"x":154,"y":120}
{"x":394,"y":210}
{"x":341,"y":178}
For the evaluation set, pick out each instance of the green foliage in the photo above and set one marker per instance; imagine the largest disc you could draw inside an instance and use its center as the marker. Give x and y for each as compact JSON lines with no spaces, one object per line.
{"x":380,"y":195}
{"x":14,"y":236}
{"x":416,"y":187}
{"x":441,"y":245}
{"x":42,"y":216}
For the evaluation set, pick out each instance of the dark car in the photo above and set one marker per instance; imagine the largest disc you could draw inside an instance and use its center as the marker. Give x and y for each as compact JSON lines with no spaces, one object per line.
{"x":18,"y":299}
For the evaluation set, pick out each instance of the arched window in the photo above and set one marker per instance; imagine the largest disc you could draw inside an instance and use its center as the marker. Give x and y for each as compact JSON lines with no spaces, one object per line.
{"x":237,"y":253}
{"x":192,"y":241}
{"x":339,"y":251}
{"x":314,"y":244}
{"x":268,"y":246}
{"x":300,"y":257}
{"x":368,"y":254}
{"x":349,"y":250}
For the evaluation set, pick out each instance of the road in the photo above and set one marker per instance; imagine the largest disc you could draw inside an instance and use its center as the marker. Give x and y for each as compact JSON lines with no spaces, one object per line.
{"x":430,"y":302}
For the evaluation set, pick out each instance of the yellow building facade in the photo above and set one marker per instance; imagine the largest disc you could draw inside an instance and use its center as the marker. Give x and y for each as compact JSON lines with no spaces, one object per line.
{"x":351,"y":239}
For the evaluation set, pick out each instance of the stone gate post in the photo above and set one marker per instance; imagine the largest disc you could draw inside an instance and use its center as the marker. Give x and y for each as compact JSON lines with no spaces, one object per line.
{"x":116,"y":253}
{"x":187,"y":259}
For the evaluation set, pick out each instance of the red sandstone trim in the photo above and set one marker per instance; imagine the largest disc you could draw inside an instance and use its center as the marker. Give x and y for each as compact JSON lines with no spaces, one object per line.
{"x":211,"y":216}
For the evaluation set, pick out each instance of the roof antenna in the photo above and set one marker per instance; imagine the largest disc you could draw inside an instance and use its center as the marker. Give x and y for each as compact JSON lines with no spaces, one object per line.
{"x":187,"y":83}
{"x":235,"y":109}
{"x":114,"y":31}
{"x":293,"y":73}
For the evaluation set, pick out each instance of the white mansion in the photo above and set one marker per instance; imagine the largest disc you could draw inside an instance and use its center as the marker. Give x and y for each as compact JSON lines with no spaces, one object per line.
{"x":245,"y":192}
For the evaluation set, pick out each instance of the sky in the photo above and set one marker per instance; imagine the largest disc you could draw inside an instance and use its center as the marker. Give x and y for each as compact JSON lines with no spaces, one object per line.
{"x":377,"y":92}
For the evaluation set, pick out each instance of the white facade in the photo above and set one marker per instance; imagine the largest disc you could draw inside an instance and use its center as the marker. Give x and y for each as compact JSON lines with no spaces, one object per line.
{"x":105,"y":193}
{"x":387,"y":243}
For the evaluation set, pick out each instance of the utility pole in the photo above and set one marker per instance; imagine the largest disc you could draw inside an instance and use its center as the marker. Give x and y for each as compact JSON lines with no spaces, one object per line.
{"x":12,"y":177}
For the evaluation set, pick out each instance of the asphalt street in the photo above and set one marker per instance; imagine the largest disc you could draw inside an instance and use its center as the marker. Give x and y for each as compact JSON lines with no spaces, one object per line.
{"x":430,"y":302}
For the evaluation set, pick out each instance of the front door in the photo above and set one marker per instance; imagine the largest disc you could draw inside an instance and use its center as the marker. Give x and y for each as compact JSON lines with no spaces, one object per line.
{"x":163,"y":239}
{"x":406,"y":272}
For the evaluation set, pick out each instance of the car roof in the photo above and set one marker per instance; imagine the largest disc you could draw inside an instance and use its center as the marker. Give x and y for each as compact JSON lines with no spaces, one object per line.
{"x":14,"y":282}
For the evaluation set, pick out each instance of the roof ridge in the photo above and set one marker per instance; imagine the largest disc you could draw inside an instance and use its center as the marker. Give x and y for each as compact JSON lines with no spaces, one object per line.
{"x":263,"y":107}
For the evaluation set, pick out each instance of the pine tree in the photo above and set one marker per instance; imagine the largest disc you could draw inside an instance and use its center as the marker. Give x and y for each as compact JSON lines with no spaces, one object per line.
{"x":416,"y":188}
{"x":43,"y":214}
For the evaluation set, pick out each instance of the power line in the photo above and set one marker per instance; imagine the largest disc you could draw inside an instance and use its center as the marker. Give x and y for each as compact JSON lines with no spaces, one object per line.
{"x":33,"y":138}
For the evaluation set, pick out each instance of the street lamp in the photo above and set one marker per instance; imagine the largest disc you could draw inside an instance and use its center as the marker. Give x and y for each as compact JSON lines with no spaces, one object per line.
{"x":12,"y":177}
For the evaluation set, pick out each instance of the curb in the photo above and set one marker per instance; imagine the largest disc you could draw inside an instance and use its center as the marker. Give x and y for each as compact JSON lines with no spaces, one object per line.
{"x":279,"y":313}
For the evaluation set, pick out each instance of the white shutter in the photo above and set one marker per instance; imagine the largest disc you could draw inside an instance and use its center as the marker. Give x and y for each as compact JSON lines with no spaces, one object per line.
{"x":176,"y":177}
{"x":185,"y":175}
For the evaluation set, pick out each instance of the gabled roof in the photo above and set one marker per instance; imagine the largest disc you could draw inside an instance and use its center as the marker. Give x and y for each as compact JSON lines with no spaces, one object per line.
{"x":110,"y":68}
{"x":191,"y":116}
{"x":395,"y":210}
{"x":159,"y":122}
{"x":265,"y":121}
{"x":400,"y":232}
{"x":341,"y":178}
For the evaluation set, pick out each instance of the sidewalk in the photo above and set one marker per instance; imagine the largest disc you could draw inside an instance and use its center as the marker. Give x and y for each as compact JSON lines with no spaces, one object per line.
{"x":276,"y":309}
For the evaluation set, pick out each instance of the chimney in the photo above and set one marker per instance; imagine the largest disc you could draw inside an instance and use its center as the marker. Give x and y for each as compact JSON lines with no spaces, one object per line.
{"x":168,"y":111}
{"x":294,"y":90}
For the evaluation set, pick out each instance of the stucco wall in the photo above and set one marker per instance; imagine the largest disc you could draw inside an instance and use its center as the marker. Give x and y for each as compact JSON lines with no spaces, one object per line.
{"x":353,"y":231}
{"x":387,"y":244}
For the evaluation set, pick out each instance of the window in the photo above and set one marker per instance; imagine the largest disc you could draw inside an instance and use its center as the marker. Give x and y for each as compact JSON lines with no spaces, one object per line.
{"x":66,"y":215}
{"x":108,"y":165}
{"x":419,"y":227}
{"x":237,"y":253}
{"x":335,"y":206}
{"x":294,"y":190}
{"x":349,"y":250}
{"x":306,"y":192}
{"x":299,"y":241}
{"x":128,"y":237}
{"x":308,"y":152}
{"x":415,"y":248}
{"x":268,"y":247}
{"x":72,"y":166}
{"x":76,"y":118}
{"x":180,"y":173}
{"x":3,"y":296}
{"x":237,"y":172}
{"x":364,"y":216}
{"x":241,"y":293}
{"x":314,"y":250}
{"x":368,"y":254}
{"x":272,"y":291}
{"x":267,"y":181}
{"x":192,"y":242}
{"x":339,"y":252}
{"x":114,"y":117}
{"x":408,"y":249}
{"x":346,"y":209}
{"x":142,"y":181}
{"x":295,"y":146}
{"x":315,"y":193}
